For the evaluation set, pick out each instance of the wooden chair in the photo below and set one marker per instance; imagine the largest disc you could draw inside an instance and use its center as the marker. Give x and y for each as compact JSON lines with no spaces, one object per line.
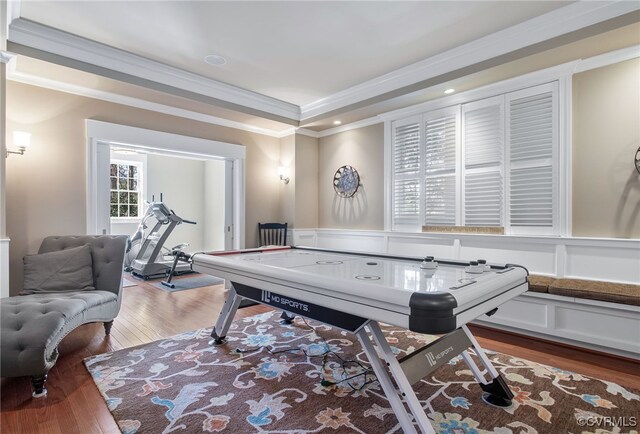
{"x":272,"y":234}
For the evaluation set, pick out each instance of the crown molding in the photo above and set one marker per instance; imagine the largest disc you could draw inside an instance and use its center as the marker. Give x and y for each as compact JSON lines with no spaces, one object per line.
{"x":35,"y":80}
{"x":534,"y":78}
{"x":37,"y":36}
{"x":352,"y":126}
{"x":286,"y":133}
{"x":331,"y":131}
{"x":547,"y":26}
{"x":11,"y":12}
{"x":493,"y":89}
{"x":609,"y":58}
{"x":307,"y":132}
{"x":6,"y":56}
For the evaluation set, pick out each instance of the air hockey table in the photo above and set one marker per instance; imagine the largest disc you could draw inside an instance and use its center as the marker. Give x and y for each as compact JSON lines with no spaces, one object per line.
{"x":356,"y":291}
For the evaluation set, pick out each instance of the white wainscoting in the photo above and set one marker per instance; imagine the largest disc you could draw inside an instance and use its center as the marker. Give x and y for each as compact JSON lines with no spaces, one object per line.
{"x":602,"y":326}
{"x":4,"y":267}
{"x":613,"y":260}
{"x":608,"y":327}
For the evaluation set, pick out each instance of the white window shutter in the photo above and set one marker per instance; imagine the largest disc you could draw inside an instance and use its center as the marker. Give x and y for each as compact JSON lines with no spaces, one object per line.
{"x":441,"y":130}
{"x":406,"y":168}
{"x":483,"y":144}
{"x":533,"y":160}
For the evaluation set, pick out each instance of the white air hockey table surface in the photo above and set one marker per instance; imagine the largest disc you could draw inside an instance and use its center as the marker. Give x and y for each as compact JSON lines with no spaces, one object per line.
{"x":394,"y":290}
{"x":355,"y":291}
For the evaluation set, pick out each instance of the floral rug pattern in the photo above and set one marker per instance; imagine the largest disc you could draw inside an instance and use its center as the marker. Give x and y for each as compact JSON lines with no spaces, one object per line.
{"x":310,"y":378}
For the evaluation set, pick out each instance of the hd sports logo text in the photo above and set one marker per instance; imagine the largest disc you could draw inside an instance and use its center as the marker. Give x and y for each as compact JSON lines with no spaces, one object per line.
{"x":286,"y":303}
{"x":433,"y":360}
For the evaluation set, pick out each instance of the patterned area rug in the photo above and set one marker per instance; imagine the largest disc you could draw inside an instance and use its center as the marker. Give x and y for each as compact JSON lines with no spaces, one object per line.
{"x":274,"y":378}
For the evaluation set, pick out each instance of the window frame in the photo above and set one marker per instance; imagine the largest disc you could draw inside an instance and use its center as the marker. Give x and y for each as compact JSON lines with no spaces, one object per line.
{"x":140,"y":163}
{"x":561,"y":172}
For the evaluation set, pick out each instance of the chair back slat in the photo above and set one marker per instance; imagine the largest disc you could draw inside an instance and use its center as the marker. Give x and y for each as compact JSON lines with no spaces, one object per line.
{"x":272,"y":234}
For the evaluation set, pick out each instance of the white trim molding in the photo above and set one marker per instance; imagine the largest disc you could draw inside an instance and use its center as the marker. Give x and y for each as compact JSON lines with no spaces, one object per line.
{"x":6,"y":56}
{"x":35,"y":80}
{"x":158,"y":140}
{"x":4,"y":267}
{"x":607,"y":259}
{"x":100,"y":135}
{"x":336,"y":130}
{"x":57,"y":42}
{"x":559,"y":22}
{"x":598,"y":325}
{"x":351,"y":126}
{"x":610,"y":58}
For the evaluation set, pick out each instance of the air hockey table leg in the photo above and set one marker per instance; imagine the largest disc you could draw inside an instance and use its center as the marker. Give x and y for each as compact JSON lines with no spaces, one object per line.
{"x":495,"y":392}
{"x":387,"y":385}
{"x":401,"y":379}
{"x":219,"y":332}
{"x":286,"y":317}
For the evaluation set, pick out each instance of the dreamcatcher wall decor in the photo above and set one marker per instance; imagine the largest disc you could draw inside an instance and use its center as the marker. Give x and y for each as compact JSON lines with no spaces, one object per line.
{"x":346,"y":181}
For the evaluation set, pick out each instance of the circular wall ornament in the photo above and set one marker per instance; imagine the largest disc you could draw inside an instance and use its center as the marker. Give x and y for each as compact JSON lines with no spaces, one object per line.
{"x":346,"y":181}
{"x":638,"y":160}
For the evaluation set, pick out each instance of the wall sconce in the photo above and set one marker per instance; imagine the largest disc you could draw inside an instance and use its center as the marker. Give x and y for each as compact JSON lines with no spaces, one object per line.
{"x":284,"y":174}
{"x":22,"y":141}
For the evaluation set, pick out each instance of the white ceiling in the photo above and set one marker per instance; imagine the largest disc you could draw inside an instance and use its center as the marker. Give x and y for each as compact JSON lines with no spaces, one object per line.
{"x":298,"y":64}
{"x":298,"y":52}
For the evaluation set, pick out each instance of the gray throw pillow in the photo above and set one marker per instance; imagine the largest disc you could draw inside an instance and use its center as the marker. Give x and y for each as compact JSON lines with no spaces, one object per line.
{"x":64,"y":270}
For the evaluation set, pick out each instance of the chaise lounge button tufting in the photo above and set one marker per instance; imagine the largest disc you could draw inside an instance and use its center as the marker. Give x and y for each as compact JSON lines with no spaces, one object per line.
{"x":33,"y":325}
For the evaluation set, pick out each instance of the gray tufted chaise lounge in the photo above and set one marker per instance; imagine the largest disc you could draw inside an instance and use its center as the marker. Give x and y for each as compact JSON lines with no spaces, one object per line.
{"x":33,"y":325}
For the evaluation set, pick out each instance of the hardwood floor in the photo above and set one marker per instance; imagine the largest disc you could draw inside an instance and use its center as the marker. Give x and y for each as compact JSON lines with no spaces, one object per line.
{"x":74,"y":405}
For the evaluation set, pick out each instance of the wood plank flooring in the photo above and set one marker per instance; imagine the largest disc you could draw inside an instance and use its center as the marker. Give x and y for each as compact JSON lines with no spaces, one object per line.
{"x":74,"y":405}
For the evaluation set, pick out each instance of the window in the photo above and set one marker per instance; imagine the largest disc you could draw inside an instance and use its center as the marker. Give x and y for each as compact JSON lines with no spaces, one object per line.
{"x":126,"y":188}
{"x":491,"y":163}
{"x":441,"y":172}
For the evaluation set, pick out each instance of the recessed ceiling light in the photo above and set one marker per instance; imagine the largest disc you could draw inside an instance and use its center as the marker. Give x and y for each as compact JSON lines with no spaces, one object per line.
{"x":215,"y":60}
{"x":450,"y":90}
{"x":337,"y":122}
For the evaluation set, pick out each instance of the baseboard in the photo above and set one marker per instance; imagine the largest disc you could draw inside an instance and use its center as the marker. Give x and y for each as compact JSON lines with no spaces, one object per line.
{"x":549,"y":341}
{"x":603,"y":327}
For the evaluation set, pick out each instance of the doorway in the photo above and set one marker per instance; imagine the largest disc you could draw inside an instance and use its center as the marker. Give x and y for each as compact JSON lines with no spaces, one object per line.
{"x":200,"y":180}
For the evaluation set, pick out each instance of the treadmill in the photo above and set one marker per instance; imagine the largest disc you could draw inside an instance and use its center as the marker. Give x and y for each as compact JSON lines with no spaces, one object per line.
{"x":150,"y":261}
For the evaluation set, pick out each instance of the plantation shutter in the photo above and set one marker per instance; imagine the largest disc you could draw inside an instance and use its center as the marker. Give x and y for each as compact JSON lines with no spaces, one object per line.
{"x":483,"y":145}
{"x":406,"y":159}
{"x":532,"y":139}
{"x":441,"y":192}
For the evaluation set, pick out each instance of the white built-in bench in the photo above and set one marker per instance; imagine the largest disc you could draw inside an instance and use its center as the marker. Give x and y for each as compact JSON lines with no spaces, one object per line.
{"x":602,"y":325}
{"x":600,"y":315}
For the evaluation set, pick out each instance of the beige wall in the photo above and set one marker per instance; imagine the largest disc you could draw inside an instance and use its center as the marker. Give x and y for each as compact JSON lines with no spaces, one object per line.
{"x":181,"y":182}
{"x":300,"y":196}
{"x":363,"y":149}
{"x":288,"y":191}
{"x":306,"y":182}
{"x":46,"y":187}
{"x":606,"y":135}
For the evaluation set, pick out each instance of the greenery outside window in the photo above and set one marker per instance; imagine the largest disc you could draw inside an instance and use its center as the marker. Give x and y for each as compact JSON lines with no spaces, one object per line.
{"x":125,"y":189}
